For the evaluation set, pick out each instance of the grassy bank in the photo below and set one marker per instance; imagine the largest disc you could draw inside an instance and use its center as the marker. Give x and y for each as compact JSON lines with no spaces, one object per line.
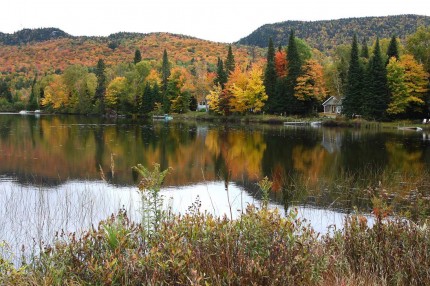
{"x":249,"y":118}
{"x":328,"y":121}
{"x":260,"y":247}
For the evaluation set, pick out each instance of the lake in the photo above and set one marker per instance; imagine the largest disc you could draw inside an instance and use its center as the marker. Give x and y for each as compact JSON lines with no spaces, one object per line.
{"x":69,"y":172}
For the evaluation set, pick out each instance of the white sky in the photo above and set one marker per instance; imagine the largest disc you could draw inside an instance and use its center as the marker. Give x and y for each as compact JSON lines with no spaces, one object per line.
{"x":220,"y":20}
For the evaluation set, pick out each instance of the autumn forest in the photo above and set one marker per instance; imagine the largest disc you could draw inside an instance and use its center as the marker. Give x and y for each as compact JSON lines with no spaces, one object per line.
{"x":382,"y":78}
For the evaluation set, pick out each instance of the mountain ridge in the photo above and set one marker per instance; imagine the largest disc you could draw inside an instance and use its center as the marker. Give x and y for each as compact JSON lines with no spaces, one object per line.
{"x":327,"y":34}
{"x":38,"y":35}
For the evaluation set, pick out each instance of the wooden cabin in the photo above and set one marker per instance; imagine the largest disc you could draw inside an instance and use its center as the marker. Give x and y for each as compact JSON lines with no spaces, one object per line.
{"x":333,"y":105}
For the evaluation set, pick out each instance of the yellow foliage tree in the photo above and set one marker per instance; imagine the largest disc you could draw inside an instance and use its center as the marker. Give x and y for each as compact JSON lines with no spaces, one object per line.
{"x":213,"y":99}
{"x":56,"y":93}
{"x":115,"y":91}
{"x":407,"y":81}
{"x":247,"y":90}
{"x":153,"y":78}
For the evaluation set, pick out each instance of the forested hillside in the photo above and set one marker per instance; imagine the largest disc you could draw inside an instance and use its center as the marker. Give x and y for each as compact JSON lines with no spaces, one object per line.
{"x":135,"y":74}
{"x":326,"y":35}
{"x":56,"y":54}
{"x":33,"y":62}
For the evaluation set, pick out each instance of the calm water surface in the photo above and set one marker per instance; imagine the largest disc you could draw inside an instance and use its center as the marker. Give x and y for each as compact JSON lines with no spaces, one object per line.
{"x":68,"y":172}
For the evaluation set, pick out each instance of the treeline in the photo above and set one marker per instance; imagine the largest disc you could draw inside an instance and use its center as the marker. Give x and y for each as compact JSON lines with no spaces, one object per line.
{"x":136,"y":88}
{"x":389,"y":85}
{"x":378,"y":83}
{"x":383,"y":80}
{"x":327,"y":35}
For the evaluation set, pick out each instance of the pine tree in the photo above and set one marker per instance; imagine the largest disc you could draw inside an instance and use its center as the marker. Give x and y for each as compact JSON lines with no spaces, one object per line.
{"x":393,"y":50}
{"x":353,"y":101}
{"x":147,"y":102}
{"x":270,"y":78}
{"x":165,"y":71}
{"x":5,"y":90}
{"x":364,"y":49}
{"x":137,"y":56}
{"x":293,"y":105}
{"x":229,"y":62}
{"x":101,"y":85}
{"x":193,"y":103}
{"x":156,"y":98}
{"x":377,"y":96}
{"x":165,"y":74}
{"x":221,"y":76}
{"x":32,"y":101}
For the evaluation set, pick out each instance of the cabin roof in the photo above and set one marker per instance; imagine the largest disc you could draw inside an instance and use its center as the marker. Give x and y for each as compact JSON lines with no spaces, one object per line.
{"x":332,"y":100}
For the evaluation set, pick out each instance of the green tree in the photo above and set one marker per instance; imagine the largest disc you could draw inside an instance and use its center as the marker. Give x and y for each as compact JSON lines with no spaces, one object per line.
{"x":293,"y":105}
{"x":418,"y":44}
{"x":304,"y":50}
{"x":137,"y":56}
{"x":178,"y":97}
{"x":165,"y":71}
{"x":147,"y":100}
{"x":393,"y":50}
{"x":377,"y":96}
{"x":156,"y":95}
{"x":5,"y":90}
{"x":353,"y":100}
{"x":364,"y":49}
{"x":221,"y":76}
{"x":137,"y":77}
{"x":33,"y":103}
{"x":101,"y":85}
{"x":229,"y":62}
{"x":270,"y":79}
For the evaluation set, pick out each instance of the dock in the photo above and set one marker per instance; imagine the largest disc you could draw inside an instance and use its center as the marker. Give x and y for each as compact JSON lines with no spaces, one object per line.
{"x":303,"y":123}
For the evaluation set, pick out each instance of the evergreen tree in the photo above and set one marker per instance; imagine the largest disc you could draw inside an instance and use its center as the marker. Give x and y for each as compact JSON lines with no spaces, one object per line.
{"x":32,"y":101}
{"x":147,"y":101}
{"x":193,"y":103}
{"x":353,"y":100}
{"x":293,"y":105}
{"x":393,"y":50}
{"x":5,"y":90}
{"x":221,"y":76}
{"x":377,"y":96}
{"x":270,"y":79}
{"x":165,"y":71}
{"x":137,"y":56}
{"x":364,"y":49}
{"x":101,"y":85}
{"x":156,"y":98}
{"x":229,"y":62}
{"x":165,"y":74}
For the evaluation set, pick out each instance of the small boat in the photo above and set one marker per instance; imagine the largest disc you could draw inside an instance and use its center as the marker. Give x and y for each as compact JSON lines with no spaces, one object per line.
{"x":316,"y":123}
{"x":23,"y":112}
{"x":164,"y":117}
{"x":411,"y":128}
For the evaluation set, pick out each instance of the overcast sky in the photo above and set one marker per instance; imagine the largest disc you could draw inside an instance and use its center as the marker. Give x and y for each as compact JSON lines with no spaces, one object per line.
{"x":220,"y":20}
